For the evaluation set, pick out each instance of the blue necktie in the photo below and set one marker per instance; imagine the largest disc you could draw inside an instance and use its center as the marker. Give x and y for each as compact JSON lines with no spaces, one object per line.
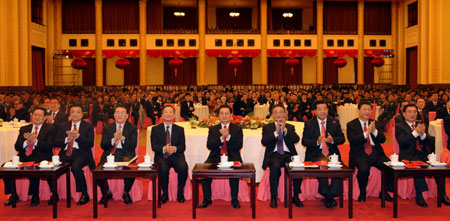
{"x":280,"y":148}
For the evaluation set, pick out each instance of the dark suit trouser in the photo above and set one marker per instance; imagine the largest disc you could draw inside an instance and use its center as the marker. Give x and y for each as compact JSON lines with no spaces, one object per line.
{"x":33,"y":188}
{"x":77,"y":162}
{"x":119,"y":156}
{"x":327,"y":189}
{"x":384,"y":118}
{"x":276,"y":162}
{"x":363,"y":163}
{"x":419,"y":182}
{"x":152,"y":116}
{"x":180,"y":166}
{"x":206,"y":186}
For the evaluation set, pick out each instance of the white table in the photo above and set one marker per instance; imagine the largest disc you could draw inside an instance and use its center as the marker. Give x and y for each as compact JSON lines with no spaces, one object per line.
{"x":349,"y":112}
{"x":201,"y":111}
{"x":435,"y":130}
{"x":8,"y":137}
{"x":261,"y":110}
{"x":252,"y":151}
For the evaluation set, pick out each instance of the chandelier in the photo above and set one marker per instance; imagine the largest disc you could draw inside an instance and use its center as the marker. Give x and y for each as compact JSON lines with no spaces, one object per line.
{"x":234,"y":14}
{"x":287,"y":15}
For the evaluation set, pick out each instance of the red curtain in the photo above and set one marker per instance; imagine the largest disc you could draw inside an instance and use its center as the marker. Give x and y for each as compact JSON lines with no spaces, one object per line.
{"x":89,"y":72}
{"x":280,"y":73}
{"x":411,"y":66}
{"x":330,"y":71}
{"x":225,"y":21}
{"x":104,"y":71}
{"x":38,"y":68}
{"x":131,"y":74}
{"x":78,"y":17}
{"x":154,"y":15}
{"x":121,"y":17}
{"x":186,"y":73}
{"x":280,"y":22}
{"x":377,"y":18}
{"x":340,"y":17}
{"x":187,"y":22}
{"x":368,"y":70}
{"x":225,"y":73}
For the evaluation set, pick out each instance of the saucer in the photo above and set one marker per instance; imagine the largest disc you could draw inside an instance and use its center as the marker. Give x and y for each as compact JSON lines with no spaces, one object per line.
{"x":225,"y":165}
{"x":334,"y":165}
{"x":397,"y":164}
{"x":296,"y":165}
{"x":145,"y":165}
{"x":48,"y":166}
{"x":109,"y":166}
{"x":437,"y":164}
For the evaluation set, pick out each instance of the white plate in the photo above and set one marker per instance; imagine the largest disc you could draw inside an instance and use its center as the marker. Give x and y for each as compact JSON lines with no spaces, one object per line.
{"x":296,"y":165}
{"x":48,"y":166}
{"x":334,"y":165}
{"x":224,"y":166}
{"x":145,"y":165}
{"x":109,"y":166}
{"x":337,"y":163}
{"x":10,"y":165}
{"x":437,"y":164}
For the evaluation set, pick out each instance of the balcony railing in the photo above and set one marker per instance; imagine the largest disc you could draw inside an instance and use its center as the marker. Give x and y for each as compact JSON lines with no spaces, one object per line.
{"x":173,"y":31}
{"x":291,"y":32}
{"x":232,"y":31}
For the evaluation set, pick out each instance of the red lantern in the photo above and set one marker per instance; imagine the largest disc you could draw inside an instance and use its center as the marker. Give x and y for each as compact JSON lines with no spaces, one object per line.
{"x":79,"y":63}
{"x":123,"y":63}
{"x":340,"y":62}
{"x":291,"y":62}
{"x":235,"y":62}
{"x":175,"y":63}
{"x":378,"y":62}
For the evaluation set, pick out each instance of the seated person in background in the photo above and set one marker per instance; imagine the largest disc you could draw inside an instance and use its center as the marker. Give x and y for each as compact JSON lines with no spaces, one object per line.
{"x":19,"y":112}
{"x":444,"y":112}
{"x":187,"y":108}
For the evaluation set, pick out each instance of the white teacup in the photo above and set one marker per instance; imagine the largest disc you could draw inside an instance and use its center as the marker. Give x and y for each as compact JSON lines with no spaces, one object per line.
{"x":55,"y":160}
{"x":223,"y":159}
{"x":147,"y":159}
{"x":394,"y":158}
{"x":110,"y":159}
{"x":295,"y":159}
{"x":432,"y":157}
{"x":333,"y":158}
{"x":15,"y":160}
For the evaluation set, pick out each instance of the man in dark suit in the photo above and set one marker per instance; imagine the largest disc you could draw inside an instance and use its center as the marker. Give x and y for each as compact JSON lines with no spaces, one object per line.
{"x":389,"y":107}
{"x":293,"y":108}
{"x":447,"y":125}
{"x":34,"y":144}
{"x":306,"y":108}
{"x":19,"y":112}
{"x":147,"y":104}
{"x":187,"y":108}
{"x":168,"y":143}
{"x":56,"y":117}
{"x":321,"y":137}
{"x":76,"y":138}
{"x":223,"y":139}
{"x":414,"y":144}
{"x":279,"y":138}
{"x":365,"y":149}
{"x":433,"y":104}
{"x":119,"y":139}
{"x":443,"y":112}
{"x":422,"y":113}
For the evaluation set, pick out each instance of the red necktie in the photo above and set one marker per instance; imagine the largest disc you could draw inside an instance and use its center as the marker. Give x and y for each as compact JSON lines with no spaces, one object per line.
{"x":29,"y":150}
{"x":117,"y":141}
{"x":224,"y":150}
{"x":418,"y":147}
{"x":324,"y":145}
{"x":166,"y":155}
{"x":367,"y":146}
{"x":70,"y":145}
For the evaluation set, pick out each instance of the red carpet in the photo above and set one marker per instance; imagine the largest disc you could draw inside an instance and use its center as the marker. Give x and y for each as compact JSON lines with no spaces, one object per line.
{"x":313,"y":210}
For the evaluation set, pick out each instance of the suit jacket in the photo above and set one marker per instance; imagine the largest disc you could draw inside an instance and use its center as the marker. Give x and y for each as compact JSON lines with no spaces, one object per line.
{"x":44,"y":147}
{"x":60,"y":118}
{"x":185,"y":108}
{"x":21,"y":114}
{"x":447,"y":129}
{"x":407,"y":142}
{"x":234,"y":145}
{"x":177,"y":139}
{"x":85,"y":140}
{"x":270,"y":141}
{"x":442,"y":113}
{"x":431,"y":107}
{"x":129,"y":131}
{"x":148,"y":107}
{"x":311,"y":133}
{"x":357,"y":141}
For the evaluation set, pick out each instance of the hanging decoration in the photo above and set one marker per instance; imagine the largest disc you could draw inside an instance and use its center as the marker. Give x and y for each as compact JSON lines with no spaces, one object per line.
{"x":291,"y":62}
{"x":79,"y":64}
{"x":123,"y":63}
{"x":340,"y":62}
{"x":378,"y":62}
{"x":175,"y":63}
{"x":235,"y":63}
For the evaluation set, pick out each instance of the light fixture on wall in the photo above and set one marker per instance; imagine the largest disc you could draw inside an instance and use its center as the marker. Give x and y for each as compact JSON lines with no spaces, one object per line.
{"x":288,"y":15}
{"x":234,"y":14}
{"x":179,"y":13}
